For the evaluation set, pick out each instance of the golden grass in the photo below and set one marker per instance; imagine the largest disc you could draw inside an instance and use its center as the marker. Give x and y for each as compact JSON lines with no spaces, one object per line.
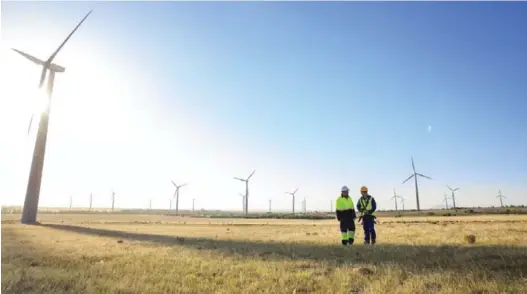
{"x":165,"y":254}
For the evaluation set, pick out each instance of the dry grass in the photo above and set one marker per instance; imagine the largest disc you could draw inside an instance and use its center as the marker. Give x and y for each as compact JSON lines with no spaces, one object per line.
{"x":160,"y":254}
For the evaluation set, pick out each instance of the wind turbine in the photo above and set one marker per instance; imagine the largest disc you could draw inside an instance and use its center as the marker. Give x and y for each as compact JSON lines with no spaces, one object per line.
{"x":71,"y":201}
{"x":170,"y":205}
{"x":193,"y":204}
{"x":29,"y":212}
{"x":501,"y":196}
{"x":293,"y":194}
{"x":113,"y":200}
{"x":402,"y":201}
{"x":445,"y":199}
{"x":304,"y":205}
{"x":150,"y":204}
{"x":246,"y":190}
{"x":414,"y":175}
{"x":176,"y":194}
{"x":453,"y":195}
{"x":91,"y":200}
{"x":395,"y":196}
{"x":269,"y":205}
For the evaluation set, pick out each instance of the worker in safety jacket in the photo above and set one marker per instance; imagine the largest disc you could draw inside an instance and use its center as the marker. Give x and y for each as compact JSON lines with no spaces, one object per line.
{"x":346,"y":216}
{"x":367,"y":206}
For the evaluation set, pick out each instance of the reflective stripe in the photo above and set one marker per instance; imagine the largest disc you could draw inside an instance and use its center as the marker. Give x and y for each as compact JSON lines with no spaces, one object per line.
{"x":351,"y":235}
{"x":344,"y":236}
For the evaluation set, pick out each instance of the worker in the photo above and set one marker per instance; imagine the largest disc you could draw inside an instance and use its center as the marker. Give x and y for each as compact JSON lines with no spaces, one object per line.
{"x":367,"y":206}
{"x":346,"y":216}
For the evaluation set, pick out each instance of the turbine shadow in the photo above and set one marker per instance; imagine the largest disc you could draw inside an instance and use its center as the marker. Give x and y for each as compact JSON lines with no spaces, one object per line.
{"x":496,"y":261}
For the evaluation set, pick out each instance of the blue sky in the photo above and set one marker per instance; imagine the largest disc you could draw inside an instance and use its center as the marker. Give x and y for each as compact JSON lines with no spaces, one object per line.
{"x":311,"y":95}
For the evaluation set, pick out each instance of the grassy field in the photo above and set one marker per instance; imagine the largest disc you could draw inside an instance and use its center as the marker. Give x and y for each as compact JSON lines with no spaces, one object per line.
{"x":88,"y":253}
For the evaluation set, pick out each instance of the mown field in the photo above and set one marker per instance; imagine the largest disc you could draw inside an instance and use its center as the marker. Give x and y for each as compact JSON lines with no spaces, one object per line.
{"x":87,"y":253}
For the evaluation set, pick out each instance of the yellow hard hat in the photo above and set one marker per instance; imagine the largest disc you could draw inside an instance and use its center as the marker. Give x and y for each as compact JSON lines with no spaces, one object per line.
{"x":364,"y":189}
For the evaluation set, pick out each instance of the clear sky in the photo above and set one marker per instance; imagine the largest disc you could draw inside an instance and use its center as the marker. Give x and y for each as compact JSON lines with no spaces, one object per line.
{"x":311,"y":95}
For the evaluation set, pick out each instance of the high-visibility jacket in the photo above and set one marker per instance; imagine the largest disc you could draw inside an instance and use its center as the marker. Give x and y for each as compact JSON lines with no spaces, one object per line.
{"x":345,"y":209}
{"x":367,"y":205}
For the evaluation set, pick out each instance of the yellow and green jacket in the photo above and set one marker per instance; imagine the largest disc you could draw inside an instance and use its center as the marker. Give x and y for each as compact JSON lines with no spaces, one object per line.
{"x":345,"y":209}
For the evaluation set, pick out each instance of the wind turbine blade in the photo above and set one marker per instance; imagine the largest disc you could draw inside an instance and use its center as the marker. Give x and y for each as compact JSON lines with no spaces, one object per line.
{"x":295,"y":191}
{"x":30,"y":57}
{"x":456,"y":189}
{"x":421,"y":175}
{"x":50,"y":59}
{"x":183,"y":185}
{"x":239,"y":179}
{"x":174,"y":183}
{"x":251,"y":175}
{"x":30,"y":122}
{"x":449,"y":187}
{"x":408,"y":178}
{"x":413,"y":165}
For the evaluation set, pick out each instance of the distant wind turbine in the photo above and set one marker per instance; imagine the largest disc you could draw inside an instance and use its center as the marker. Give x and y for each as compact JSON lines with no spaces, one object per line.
{"x":269,"y":205}
{"x":193,"y":204}
{"x":30,"y":209}
{"x":246,"y":190}
{"x":501,"y":196}
{"x":445,"y":199}
{"x":395,"y":197}
{"x":91,"y":200}
{"x":176,"y":194}
{"x":453,"y":195}
{"x":150,"y":204}
{"x":402,"y":201}
{"x":293,"y":194}
{"x":414,"y":175}
{"x":71,"y":201}
{"x":113,"y":200}
{"x":304,"y":205}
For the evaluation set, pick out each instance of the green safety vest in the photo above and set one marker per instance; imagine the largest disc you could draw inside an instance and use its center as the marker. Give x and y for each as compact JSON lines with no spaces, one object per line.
{"x":366,"y":205}
{"x":344,"y":203}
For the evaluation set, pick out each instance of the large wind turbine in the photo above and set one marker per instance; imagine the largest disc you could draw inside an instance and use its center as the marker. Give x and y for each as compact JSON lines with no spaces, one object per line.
{"x":176,"y":194}
{"x":414,"y":175}
{"x":293,"y":194}
{"x":501,"y":196}
{"x":91,"y":200}
{"x":453,"y":195}
{"x":29,"y":212}
{"x":246,"y":190}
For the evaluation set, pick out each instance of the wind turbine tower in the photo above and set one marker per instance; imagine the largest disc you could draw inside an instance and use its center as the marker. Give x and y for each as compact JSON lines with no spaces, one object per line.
{"x":293,"y":194}
{"x":445,"y":199}
{"x":243,"y":202}
{"x":193,"y":204}
{"x":91,"y":200}
{"x":113,"y":200}
{"x":501,"y":196}
{"x":246,"y":190}
{"x":71,"y":201}
{"x":176,"y":194}
{"x":453,"y":195}
{"x":415,"y":175}
{"x":395,"y":197}
{"x":29,"y":212}
{"x":269,"y":205}
{"x":402,"y":201}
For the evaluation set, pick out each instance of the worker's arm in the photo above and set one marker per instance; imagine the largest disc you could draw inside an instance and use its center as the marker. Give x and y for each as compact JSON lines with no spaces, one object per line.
{"x":338,"y":212}
{"x":373,"y":205}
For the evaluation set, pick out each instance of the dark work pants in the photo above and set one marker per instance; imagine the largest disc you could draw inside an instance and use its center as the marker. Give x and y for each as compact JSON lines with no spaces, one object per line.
{"x":368,"y":225}
{"x":347,"y":231}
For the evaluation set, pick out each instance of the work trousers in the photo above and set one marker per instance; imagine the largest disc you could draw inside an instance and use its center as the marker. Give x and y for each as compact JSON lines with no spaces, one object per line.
{"x":347,"y":231}
{"x":368,"y":225}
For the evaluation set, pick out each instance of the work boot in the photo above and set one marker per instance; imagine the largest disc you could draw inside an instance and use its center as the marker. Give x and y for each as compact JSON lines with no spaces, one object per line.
{"x":345,"y":242}
{"x":372,"y":242}
{"x":350,"y":241}
{"x":366,"y":242}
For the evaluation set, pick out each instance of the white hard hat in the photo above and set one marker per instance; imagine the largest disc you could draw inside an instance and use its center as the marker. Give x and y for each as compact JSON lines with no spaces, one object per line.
{"x":345,"y":189}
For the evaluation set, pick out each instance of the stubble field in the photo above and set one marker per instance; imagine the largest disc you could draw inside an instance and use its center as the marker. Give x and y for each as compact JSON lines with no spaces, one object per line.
{"x":166,"y":254}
